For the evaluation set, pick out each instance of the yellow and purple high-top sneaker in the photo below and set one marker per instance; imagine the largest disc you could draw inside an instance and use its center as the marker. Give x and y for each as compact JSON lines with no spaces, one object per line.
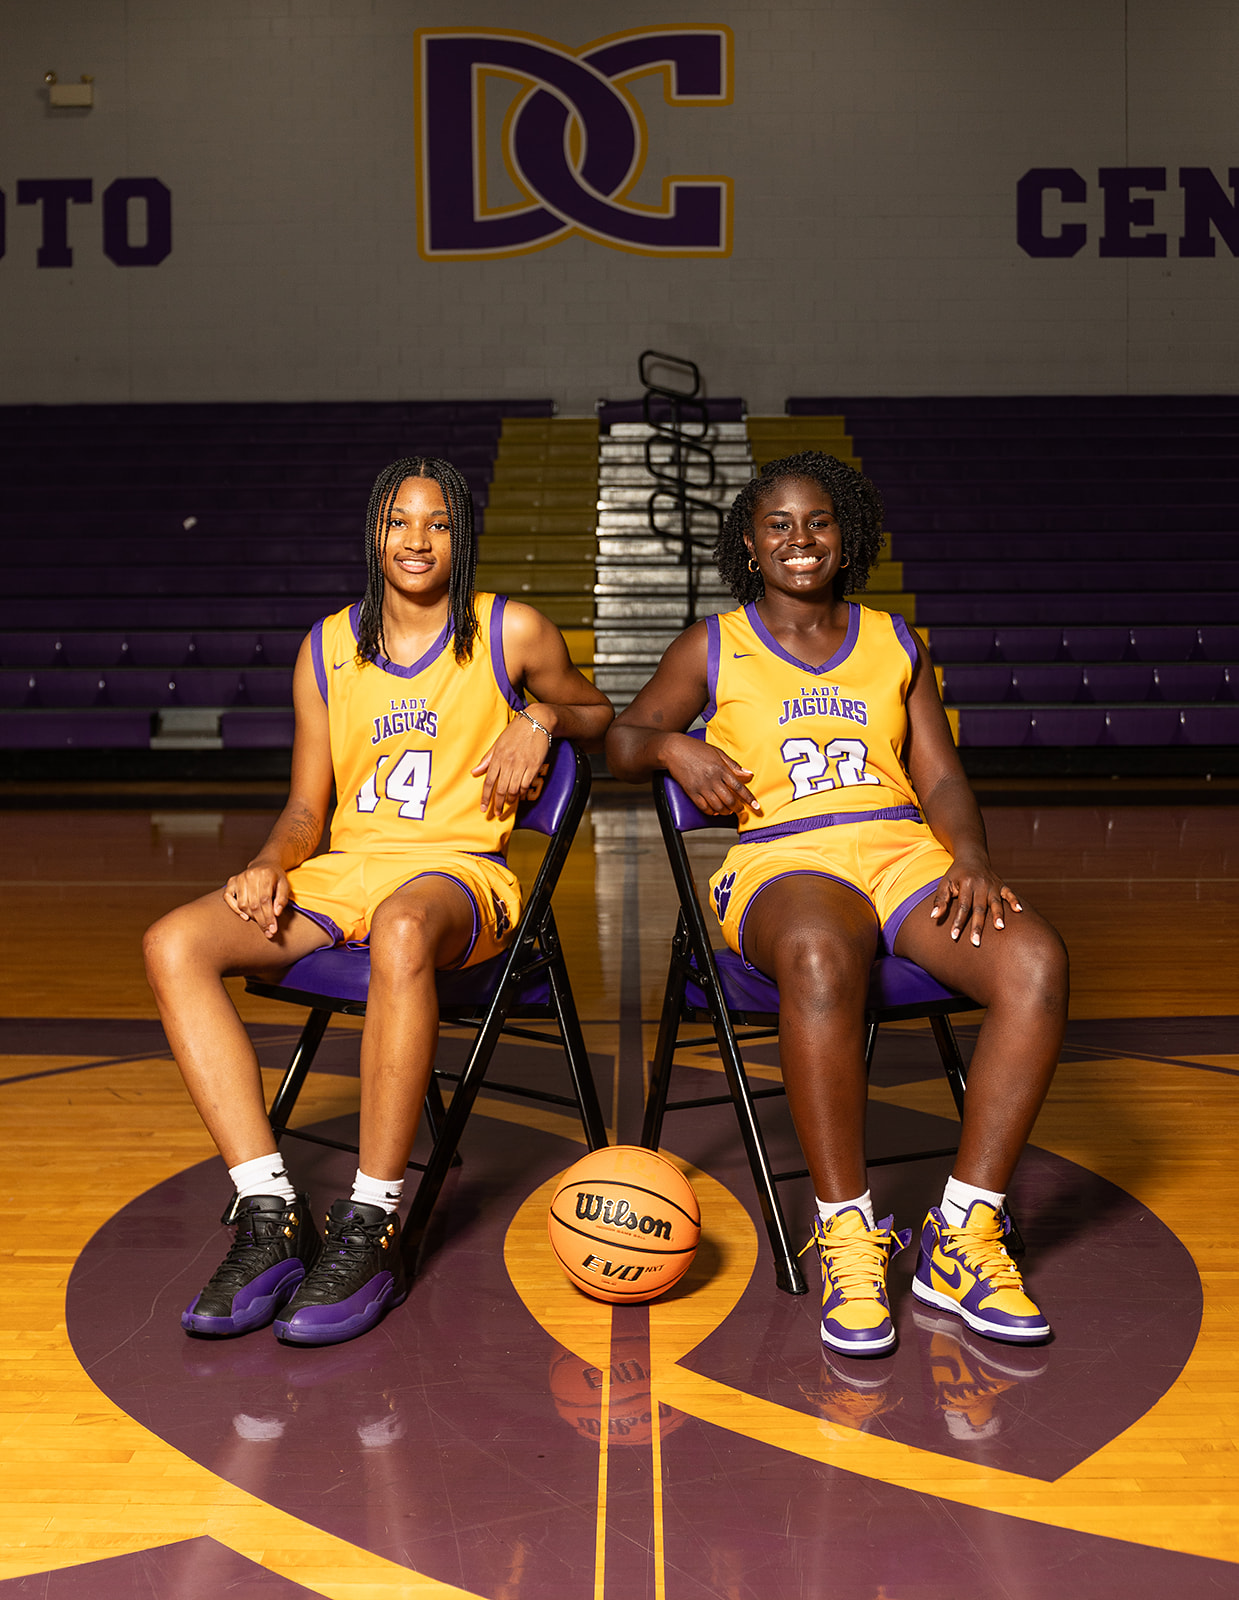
{"x":856,"y":1315}
{"x":967,"y":1271}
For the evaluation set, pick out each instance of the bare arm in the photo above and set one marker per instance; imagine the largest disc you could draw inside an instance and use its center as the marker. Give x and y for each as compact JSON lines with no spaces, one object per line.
{"x":649,"y":736}
{"x":951,"y":810}
{"x":260,"y":893}
{"x":561,"y":700}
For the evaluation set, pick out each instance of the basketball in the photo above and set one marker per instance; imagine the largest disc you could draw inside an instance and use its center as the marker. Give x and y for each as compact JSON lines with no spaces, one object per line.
{"x":624,"y":1224}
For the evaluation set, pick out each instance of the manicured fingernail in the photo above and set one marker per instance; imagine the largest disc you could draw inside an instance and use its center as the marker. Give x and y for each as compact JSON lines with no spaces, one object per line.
{"x":976,"y":938}
{"x":999,"y":923}
{"x":954,"y":933}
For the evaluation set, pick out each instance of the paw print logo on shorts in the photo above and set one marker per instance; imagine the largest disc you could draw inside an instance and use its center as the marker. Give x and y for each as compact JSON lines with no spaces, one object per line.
{"x":722,"y":893}
{"x":502,"y":920}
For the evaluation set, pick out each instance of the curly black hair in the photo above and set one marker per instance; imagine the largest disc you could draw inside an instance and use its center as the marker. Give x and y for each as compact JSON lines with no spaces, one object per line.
{"x":459,"y":501}
{"x":858,"y":509}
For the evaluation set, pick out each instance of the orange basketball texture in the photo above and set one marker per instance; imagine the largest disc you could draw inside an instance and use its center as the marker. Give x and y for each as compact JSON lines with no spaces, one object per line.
{"x":624,"y":1224}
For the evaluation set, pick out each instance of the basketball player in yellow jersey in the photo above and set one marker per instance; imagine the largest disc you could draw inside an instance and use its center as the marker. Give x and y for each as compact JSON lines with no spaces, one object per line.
{"x":432,"y":709}
{"x":859,"y":836}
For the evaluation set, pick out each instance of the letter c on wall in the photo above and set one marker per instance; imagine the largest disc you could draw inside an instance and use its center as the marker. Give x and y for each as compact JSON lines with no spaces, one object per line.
{"x":1029,"y":221}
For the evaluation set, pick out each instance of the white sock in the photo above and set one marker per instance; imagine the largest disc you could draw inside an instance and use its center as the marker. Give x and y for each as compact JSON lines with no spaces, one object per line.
{"x":863,"y":1203}
{"x":385,"y":1192}
{"x":957,"y":1201}
{"x":263,"y":1175}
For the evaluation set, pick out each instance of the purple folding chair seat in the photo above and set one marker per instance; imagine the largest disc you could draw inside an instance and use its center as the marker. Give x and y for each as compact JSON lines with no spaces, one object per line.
{"x":527,"y":983}
{"x":715,"y":987}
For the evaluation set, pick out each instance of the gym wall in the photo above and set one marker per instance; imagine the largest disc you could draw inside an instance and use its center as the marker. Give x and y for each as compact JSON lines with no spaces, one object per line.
{"x":890,"y":197}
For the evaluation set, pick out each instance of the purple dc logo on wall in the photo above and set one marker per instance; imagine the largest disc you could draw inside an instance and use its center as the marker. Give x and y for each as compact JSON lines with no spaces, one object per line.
{"x":573,"y":141}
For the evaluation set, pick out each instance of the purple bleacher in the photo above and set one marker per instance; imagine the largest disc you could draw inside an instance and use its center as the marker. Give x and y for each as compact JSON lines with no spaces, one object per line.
{"x":1042,"y":531}
{"x":219,"y":535}
{"x":97,"y":729}
{"x":1186,"y":681}
{"x":1027,"y":644}
{"x":257,"y":730}
{"x":1108,"y":681}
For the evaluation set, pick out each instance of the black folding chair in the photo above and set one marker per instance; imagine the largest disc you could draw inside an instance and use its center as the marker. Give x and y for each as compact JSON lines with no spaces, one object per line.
{"x":526,"y":982}
{"x":715,"y":987}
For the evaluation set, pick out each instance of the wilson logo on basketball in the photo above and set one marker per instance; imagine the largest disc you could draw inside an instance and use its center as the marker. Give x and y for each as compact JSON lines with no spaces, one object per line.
{"x":619,"y":1214}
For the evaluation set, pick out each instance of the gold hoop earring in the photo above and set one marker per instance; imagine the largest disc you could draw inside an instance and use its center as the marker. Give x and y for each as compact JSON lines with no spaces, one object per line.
{"x":846,"y":562}
{"x":752,"y":564}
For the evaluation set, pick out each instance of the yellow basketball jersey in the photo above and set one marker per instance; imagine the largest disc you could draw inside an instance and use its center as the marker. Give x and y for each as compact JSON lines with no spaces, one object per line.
{"x":823,"y":742}
{"x":404,"y":740}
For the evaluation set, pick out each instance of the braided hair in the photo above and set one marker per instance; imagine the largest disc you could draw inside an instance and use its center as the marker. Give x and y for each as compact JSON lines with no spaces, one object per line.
{"x":459,"y":502}
{"x":858,"y":511}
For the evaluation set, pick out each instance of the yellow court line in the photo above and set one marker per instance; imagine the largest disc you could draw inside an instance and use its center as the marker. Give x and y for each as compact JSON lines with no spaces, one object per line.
{"x":604,"y":1431}
{"x":656,"y":1468}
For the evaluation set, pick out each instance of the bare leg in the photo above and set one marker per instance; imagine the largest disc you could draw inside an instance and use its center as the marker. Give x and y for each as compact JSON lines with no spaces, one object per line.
{"x":1019,"y":973}
{"x":421,"y":927}
{"x":188,"y":954}
{"x":817,"y":939}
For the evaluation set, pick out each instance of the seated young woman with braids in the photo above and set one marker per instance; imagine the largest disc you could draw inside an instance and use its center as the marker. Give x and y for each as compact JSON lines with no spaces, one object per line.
{"x":859,"y":836}
{"x":414,"y":702}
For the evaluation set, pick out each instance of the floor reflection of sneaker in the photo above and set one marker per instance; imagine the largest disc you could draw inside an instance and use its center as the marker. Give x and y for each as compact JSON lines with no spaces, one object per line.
{"x":970,"y":1378}
{"x":856,"y":1315}
{"x":853,"y":1393}
{"x":358,"y":1277}
{"x":274,"y":1245}
{"x":968,"y":1272}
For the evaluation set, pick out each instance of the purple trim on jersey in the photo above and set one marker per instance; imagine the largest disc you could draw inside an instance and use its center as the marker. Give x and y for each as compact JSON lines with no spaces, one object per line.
{"x":316,"y":651}
{"x":497,"y":661}
{"x":488,"y":855}
{"x":831,"y":819}
{"x":468,"y":894}
{"x":773,"y":645}
{"x":893,"y":923}
{"x":323,"y":920}
{"x":384,"y":664}
{"x":713,"y":647}
{"x":904,"y":636}
{"x":778,"y":878}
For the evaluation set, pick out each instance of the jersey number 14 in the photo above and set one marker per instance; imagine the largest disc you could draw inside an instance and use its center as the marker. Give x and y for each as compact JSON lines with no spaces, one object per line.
{"x":408,"y":781}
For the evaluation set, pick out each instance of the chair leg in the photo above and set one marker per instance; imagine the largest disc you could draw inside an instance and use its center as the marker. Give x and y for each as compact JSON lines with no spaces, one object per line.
{"x":952,"y":1061}
{"x":303,"y":1056}
{"x":787,"y":1271}
{"x":664,"y":1057}
{"x":440,"y":1159}
{"x":577,"y":1055}
{"x":436,"y":1111}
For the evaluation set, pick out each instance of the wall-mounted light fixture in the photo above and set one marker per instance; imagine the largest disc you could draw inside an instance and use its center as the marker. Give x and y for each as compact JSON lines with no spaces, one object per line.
{"x":70,"y":94}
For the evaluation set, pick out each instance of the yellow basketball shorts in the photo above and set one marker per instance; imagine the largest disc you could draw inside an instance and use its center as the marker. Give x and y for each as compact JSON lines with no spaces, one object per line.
{"x":341,"y":892}
{"x":893,"y":865}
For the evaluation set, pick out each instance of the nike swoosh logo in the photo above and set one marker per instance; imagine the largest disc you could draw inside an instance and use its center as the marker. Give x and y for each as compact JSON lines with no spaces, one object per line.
{"x":953,"y":1278}
{"x":336,"y":665}
{"x":741,"y":655}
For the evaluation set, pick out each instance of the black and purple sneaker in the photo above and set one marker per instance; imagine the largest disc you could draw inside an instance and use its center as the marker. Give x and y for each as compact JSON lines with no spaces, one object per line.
{"x":275,"y":1244}
{"x":358,"y":1278}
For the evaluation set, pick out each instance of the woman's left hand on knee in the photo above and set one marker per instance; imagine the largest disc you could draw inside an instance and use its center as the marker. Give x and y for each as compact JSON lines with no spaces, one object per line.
{"x":977,"y":892}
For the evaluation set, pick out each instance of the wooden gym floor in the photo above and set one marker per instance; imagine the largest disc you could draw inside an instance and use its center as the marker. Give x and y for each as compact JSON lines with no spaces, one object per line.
{"x":501,"y":1436}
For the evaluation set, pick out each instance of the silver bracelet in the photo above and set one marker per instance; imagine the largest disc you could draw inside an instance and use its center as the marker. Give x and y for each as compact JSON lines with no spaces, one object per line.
{"x":523,"y":713}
